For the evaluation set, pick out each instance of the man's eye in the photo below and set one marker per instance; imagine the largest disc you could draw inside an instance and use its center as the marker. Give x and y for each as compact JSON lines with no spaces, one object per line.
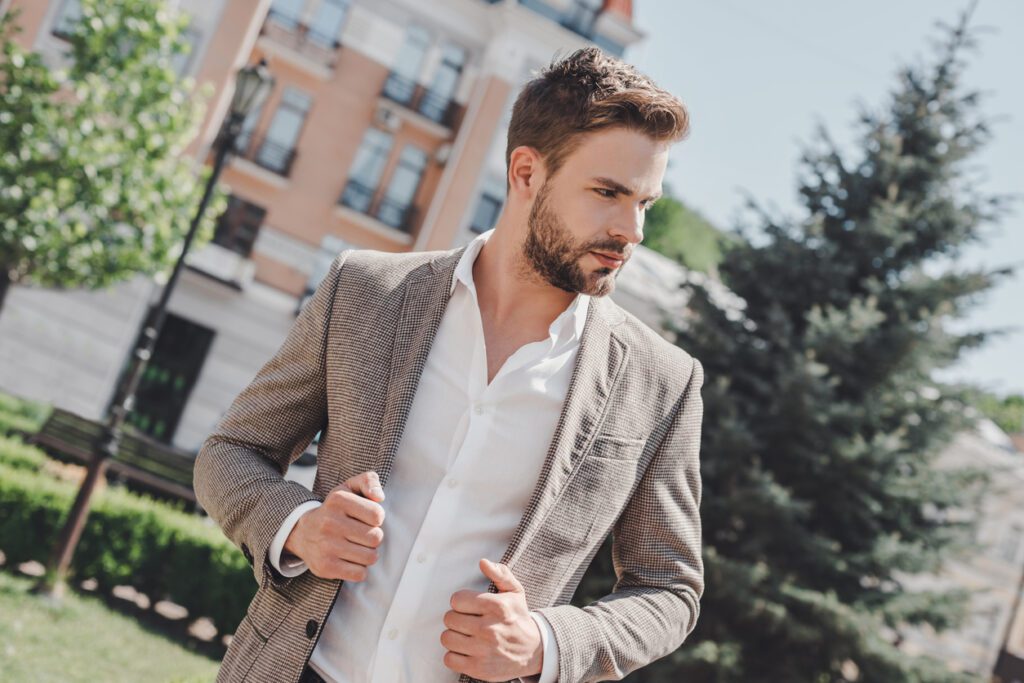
{"x":602,"y":191}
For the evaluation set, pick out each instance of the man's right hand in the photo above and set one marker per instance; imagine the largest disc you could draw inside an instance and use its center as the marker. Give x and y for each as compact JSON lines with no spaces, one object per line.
{"x":338,"y":540}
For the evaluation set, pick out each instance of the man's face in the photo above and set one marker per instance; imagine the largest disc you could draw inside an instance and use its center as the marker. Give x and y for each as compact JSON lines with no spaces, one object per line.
{"x":595,"y":203}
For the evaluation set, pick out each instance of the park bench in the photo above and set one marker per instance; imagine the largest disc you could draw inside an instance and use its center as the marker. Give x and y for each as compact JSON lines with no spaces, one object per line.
{"x":140,"y":459}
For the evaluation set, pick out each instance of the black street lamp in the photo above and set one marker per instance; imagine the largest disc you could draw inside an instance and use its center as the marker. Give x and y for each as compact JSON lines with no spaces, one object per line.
{"x":252,"y":86}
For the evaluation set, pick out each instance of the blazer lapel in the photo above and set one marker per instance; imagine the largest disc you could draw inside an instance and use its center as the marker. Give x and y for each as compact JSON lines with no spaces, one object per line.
{"x":600,"y":362}
{"x":426,"y":295}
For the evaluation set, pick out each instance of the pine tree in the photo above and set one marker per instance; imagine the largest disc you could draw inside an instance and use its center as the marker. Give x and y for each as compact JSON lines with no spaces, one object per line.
{"x":822,"y":418}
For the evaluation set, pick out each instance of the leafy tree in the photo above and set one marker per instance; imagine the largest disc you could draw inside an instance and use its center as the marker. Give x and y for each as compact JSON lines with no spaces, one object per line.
{"x":1005,"y":411}
{"x":674,"y":230}
{"x":822,"y":419}
{"x":93,"y":184}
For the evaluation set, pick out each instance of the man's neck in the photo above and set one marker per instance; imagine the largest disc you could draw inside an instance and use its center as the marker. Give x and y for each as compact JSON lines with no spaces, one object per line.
{"x":511,"y":299}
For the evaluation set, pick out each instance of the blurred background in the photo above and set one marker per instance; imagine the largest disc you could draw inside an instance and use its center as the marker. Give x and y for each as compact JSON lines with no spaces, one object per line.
{"x":838,"y":245}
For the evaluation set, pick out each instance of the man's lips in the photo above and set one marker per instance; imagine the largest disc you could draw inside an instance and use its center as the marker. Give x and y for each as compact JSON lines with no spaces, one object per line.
{"x":609,"y":260}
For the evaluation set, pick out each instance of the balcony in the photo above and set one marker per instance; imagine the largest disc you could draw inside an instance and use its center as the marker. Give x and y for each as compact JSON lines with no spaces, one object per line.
{"x":269,"y":154}
{"x":300,"y":43}
{"x":412,"y":95}
{"x":372,"y":202}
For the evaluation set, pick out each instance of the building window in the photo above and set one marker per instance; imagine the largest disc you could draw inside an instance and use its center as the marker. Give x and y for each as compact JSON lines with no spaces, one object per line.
{"x":367,"y":169}
{"x":436,"y":102}
{"x":287,"y":12}
{"x":581,"y":16}
{"x":396,"y":207}
{"x":488,"y":208}
{"x":327,"y":21}
{"x":277,"y":151}
{"x":239,"y":225}
{"x":68,"y":16}
{"x":401,"y":83}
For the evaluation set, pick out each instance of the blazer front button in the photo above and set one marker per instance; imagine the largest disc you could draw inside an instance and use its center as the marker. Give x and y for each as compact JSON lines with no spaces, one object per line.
{"x":310,"y":628}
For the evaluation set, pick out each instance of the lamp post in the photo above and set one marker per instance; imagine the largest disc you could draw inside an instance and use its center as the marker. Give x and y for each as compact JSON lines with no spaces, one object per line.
{"x":252,"y":85}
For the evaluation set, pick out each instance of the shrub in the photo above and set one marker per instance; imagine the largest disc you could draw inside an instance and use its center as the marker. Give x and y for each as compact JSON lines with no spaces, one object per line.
{"x":128,"y":539}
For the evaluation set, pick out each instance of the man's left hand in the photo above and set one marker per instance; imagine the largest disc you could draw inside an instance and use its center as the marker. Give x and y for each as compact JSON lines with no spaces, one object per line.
{"x":491,"y":636}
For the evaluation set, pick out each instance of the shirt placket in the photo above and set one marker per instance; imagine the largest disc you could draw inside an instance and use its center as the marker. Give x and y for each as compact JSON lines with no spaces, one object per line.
{"x":441,"y":515}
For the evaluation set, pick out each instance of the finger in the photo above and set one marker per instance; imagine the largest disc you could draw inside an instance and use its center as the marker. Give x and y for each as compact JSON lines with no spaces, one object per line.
{"x":355,"y":506}
{"x":367,"y":484}
{"x":456,"y":662}
{"x":467,"y":602}
{"x":466,"y":624}
{"x":361,"y":533}
{"x":356,"y":553}
{"x":337,"y":568}
{"x":502,"y":576}
{"x":460,"y":643}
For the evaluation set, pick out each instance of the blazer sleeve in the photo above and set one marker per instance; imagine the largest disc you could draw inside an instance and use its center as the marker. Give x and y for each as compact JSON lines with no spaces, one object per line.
{"x":656,"y":548}
{"x":239,"y":470}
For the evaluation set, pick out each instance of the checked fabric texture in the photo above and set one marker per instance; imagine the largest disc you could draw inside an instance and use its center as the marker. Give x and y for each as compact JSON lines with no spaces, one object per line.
{"x":624,"y":460}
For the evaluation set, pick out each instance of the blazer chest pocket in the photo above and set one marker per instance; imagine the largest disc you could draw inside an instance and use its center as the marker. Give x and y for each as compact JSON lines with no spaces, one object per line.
{"x":616,"y":447}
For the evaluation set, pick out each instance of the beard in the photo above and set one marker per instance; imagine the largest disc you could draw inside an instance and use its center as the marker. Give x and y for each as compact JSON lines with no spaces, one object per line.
{"x":550,"y":252}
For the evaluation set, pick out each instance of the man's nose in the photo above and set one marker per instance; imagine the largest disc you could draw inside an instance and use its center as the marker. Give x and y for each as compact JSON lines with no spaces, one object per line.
{"x":630,"y":226}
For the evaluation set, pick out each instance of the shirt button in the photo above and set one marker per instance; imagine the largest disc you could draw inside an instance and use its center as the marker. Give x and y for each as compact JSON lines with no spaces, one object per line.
{"x":478,"y":409}
{"x":392,"y":634}
{"x":452,"y":483}
{"x":421,"y":558}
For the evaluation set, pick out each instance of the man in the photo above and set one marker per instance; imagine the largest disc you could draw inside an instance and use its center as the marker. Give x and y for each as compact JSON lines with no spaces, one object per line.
{"x":510,"y":410}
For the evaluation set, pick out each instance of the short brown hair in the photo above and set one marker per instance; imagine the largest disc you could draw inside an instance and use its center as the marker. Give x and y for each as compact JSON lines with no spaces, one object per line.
{"x":587,"y":91}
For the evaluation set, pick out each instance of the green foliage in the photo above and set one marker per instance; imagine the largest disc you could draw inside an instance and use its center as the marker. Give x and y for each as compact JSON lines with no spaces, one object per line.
{"x":822,"y":418}
{"x":93,"y":184}
{"x":21,"y":416}
{"x":16,"y":454}
{"x":1005,"y":411}
{"x":128,"y":539}
{"x":680,"y":233}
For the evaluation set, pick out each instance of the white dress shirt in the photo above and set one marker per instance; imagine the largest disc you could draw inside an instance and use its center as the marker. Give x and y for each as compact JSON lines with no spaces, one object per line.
{"x":469,"y":459}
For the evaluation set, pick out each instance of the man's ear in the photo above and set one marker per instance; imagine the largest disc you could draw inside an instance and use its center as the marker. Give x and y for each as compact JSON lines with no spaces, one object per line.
{"x":525,"y":172}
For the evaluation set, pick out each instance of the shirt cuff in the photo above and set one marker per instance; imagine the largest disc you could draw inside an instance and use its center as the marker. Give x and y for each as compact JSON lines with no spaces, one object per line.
{"x":292,"y":566}
{"x":549,"y":668}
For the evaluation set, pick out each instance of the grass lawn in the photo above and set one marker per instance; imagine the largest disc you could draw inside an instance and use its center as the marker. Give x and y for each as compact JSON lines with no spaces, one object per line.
{"x":84,"y":640}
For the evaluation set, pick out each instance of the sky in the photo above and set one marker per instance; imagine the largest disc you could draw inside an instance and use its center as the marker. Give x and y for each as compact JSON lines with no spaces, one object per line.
{"x":758,"y":77}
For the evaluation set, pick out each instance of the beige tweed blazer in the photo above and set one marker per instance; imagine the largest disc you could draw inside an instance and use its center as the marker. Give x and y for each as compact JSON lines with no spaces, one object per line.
{"x":623,"y":459}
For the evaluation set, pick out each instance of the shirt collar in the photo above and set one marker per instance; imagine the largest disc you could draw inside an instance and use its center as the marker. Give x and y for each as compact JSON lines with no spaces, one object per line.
{"x":570,"y":321}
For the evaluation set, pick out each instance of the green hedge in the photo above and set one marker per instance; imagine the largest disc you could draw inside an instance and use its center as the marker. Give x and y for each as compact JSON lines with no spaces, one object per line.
{"x":16,"y":454}
{"x":128,"y":539}
{"x":19,"y":415}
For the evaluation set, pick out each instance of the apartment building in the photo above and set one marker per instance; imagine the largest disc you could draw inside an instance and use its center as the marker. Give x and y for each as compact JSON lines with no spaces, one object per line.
{"x":385,"y":130}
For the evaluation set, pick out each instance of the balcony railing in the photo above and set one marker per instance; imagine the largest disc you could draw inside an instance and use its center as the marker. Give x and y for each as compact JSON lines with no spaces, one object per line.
{"x":434,"y":106}
{"x":369,"y":201}
{"x":302,"y":39}
{"x":269,"y":154}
